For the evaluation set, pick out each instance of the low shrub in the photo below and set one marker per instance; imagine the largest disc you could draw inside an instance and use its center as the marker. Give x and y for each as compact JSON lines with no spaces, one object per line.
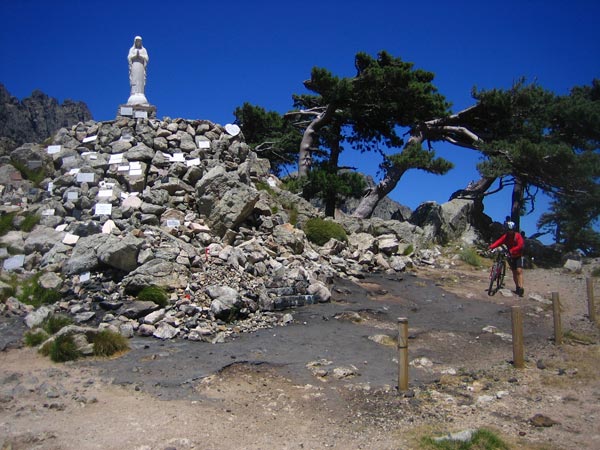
{"x":470,"y":256}
{"x":154,"y":294}
{"x":36,"y":337}
{"x":63,"y":348}
{"x":107,"y":343}
{"x":481,"y":439}
{"x":319,"y":231}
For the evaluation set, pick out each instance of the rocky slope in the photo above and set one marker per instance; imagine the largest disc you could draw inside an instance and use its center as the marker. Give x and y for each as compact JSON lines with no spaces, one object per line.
{"x":186,"y":206}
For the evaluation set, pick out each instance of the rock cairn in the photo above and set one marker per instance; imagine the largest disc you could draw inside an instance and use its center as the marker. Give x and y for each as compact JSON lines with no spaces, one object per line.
{"x":184,"y":205}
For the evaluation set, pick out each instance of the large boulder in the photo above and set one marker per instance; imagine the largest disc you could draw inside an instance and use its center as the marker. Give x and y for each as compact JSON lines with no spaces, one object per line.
{"x":224,"y":200}
{"x":453,"y":220}
{"x":156,"y":272}
{"x":120,"y":253}
{"x":84,"y":257}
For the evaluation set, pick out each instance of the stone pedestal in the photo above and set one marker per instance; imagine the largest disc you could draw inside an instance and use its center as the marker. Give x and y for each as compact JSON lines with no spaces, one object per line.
{"x":145,"y":111}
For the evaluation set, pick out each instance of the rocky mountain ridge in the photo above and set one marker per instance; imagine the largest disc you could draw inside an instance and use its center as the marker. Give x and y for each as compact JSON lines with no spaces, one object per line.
{"x":185,"y":205}
{"x":35,"y":118}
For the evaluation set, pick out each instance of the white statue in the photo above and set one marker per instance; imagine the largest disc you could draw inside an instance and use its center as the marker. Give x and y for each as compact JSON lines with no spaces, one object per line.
{"x":138,"y":59}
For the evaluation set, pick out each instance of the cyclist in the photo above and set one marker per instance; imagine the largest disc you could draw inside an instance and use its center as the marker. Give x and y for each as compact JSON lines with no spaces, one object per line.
{"x":515,"y":243}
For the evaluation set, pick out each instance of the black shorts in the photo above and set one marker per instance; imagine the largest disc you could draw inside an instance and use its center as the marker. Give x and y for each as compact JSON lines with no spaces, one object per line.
{"x":515,"y":263}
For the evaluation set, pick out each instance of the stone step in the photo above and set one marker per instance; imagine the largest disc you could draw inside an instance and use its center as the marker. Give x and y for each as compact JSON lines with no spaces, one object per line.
{"x":293,"y":301}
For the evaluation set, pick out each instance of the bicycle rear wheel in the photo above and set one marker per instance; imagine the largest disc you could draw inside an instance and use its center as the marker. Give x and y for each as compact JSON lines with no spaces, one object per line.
{"x":501,"y":275}
{"x":493,"y":278}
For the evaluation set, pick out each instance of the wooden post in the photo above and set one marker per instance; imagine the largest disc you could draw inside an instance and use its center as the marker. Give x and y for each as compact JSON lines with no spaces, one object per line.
{"x":589,"y":282}
{"x":402,"y":354}
{"x":517,"y":337}
{"x":558,"y":334}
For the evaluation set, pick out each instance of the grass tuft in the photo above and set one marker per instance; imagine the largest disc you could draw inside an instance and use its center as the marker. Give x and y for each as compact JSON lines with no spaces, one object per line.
{"x":154,"y":294}
{"x":55,"y":323}
{"x":469,"y":255}
{"x":36,"y":337}
{"x":63,"y":349}
{"x":31,"y":293}
{"x":482,"y":439}
{"x":107,"y":343}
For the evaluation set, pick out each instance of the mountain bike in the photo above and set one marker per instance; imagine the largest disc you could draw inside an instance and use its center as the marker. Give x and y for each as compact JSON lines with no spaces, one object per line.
{"x":498,"y":270}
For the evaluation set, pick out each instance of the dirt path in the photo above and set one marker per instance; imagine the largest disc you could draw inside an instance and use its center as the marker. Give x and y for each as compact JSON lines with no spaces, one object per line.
{"x":328,"y":380}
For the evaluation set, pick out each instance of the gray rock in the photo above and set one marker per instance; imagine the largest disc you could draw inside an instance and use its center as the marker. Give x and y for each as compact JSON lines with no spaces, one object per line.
{"x":120,"y":253}
{"x":156,"y":272}
{"x":226,"y":302}
{"x":35,"y":318}
{"x":84,"y":257}
{"x":137,"y":309}
{"x":165,"y":331}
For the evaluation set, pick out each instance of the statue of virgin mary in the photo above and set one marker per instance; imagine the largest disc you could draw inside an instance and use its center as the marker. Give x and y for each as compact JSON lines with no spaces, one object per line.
{"x":138,"y":60}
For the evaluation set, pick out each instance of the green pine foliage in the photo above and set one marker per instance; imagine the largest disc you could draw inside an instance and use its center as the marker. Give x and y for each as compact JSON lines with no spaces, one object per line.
{"x":269,"y":134}
{"x":319,"y":231}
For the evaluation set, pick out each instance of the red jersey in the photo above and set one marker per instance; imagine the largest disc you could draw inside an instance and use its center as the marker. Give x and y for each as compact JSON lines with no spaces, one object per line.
{"x":515,"y":244}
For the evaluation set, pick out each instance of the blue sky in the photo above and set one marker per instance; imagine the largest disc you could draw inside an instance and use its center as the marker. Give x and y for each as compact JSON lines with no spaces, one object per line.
{"x":206,"y":58}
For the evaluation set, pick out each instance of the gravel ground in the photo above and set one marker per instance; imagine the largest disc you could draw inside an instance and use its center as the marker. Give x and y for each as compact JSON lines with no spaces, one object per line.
{"x":328,"y":380}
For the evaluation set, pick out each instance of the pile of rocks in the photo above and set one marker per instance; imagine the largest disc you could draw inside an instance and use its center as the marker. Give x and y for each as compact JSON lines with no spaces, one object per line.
{"x":184,"y":205}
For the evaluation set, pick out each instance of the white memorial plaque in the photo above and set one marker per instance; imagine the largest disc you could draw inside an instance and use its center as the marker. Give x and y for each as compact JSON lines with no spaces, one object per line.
{"x":178,"y":157}
{"x":203,"y":144}
{"x":89,"y":139}
{"x":16,"y":262}
{"x":70,"y":239}
{"x":103,"y":209}
{"x":135,"y":165}
{"x":84,"y":277}
{"x":105,"y":193}
{"x":140,"y":114}
{"x":173,"y":223}
{"x":68,"y":160}
{"x":61,"y":227}
{"x":50,"y":186}
{"x":125,"y":195}
{"x":85,"y":177}
{"x":122,"y":168}
{"x":232,"y":129}
{"x":135,"y":172}
{"x":116,"y":159}
{"x":72,"y":196}
{"x":48,"y":212}
{"x":193,"y":162}
{"x":53,"y":149}
{"x":74,"y":171}
{"x":126,"y":111}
